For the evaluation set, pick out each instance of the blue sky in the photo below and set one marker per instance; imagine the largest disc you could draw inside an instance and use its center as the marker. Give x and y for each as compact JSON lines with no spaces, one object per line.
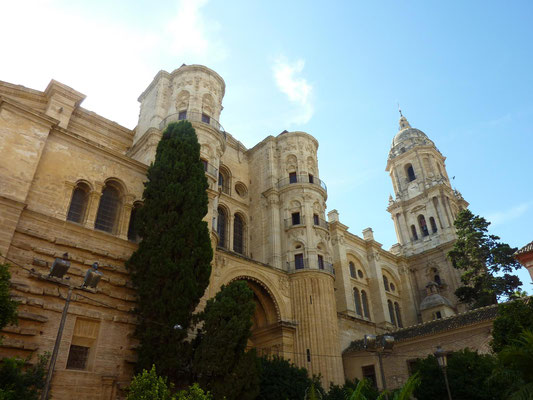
{"x":461,"y":71}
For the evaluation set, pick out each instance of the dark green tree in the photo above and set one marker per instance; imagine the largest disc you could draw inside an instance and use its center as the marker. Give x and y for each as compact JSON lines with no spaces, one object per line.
{"x":469,"y":375}
{"x":170,"y":269}
{"x":513,"y":318}
{"x":281,"y":379}
{"x":485,"y":262}
{"x":220,"y":361}
{"x":20,"y":382}
{"x":517,"y":362}
{"x":8,"y":307}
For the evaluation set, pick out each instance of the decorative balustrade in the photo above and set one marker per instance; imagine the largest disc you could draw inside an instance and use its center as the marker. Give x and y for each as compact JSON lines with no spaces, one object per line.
{"x":305,"y":264}
{"x":302,"y":178}
{"x":192,"y":116}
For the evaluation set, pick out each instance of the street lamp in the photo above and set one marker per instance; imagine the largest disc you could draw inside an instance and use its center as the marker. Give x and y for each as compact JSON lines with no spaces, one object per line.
{"x":57,"y":271}
{"x":440,"y":355}
{"x":385,"y":344}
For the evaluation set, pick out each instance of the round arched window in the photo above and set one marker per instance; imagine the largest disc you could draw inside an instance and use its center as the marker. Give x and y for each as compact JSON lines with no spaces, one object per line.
{"x":360,"y":274}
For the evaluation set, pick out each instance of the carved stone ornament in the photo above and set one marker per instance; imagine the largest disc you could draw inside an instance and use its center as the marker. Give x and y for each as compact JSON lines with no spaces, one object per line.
{"x":284,"y":285}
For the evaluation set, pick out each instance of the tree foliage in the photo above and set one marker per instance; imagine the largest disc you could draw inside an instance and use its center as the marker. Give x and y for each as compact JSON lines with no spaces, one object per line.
{"x":485,"y":262}
{"x":8,"y":307}
{"x":20,"y":382}
{"x":281,"y":379}
{"x":149,"y":386}
{"x":518,"y":358}
{"x":170,"y":270}
{"x":220,"y":361}
{"x":513,"y":318}
{"x":470,"y":377}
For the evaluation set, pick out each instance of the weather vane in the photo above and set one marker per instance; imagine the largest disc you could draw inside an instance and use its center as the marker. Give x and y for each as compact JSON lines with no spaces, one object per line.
{"x":400,"y":110}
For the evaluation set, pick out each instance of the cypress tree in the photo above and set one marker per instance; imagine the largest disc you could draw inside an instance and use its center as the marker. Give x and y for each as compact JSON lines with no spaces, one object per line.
{"x":170,"y":270}
{"x":220,"y":361}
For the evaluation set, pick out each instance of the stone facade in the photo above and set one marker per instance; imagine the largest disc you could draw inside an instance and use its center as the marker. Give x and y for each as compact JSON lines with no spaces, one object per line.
{"x":70,"y":181}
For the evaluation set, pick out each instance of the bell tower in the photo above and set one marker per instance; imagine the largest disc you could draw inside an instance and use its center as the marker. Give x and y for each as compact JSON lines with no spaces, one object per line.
{"x":424,"y":208}
{"x":425,"y":205}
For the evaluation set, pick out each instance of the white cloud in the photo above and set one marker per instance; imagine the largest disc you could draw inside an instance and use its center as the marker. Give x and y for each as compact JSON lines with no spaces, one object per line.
{"x":297,"y":89}
{"x":110,"y":61}
{"x":191,"y":35}
{"x":500,"y":217}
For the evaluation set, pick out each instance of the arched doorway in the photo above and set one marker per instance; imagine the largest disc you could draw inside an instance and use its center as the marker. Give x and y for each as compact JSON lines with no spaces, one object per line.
{"x":269,"y":334}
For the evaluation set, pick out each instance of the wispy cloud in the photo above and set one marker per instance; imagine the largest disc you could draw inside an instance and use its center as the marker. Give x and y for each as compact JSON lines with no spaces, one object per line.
{"x":299,"y":92}
{"x":110,"y":61}
{"x":190,"y":34}
{"x":500,"y":217}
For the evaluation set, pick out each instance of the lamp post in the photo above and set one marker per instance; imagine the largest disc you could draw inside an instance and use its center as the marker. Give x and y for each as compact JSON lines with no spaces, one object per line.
{"x":58,"y":270}
{"x":386,"y":344}
{"x":443,"y":362}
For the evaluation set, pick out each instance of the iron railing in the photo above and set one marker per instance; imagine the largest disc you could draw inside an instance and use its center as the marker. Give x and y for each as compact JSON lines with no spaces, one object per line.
{"x":225,"y":189}
{"x":317,"y":221}
{"x":306,"y":264}
{"x":192,"y":116}
{"x":289,"y":222}
{"x":211,"y":170}
{"x":302,"y":178}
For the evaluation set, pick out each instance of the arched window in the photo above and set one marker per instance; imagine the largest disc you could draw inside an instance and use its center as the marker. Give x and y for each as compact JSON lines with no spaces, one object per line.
{"x":78,"y":203}
{"x":366,"y":309}
{"x":357,"y":300}
{"x":221,"y":227}
{"x":437,"y":279}
{"x":108,"y":209}
{"x":433,"y":224}
{"x":413,"y":232}
{"x":410,"y":172}
{"x":391,"y":313}
{"x":352,"y":270}
{"x":224,"y":180}
{"x":133,"y":236}
{"x":386,"y":283}
{"x":398,"y":314}
{"x":238,"y":234}
{"x":423,"y":226}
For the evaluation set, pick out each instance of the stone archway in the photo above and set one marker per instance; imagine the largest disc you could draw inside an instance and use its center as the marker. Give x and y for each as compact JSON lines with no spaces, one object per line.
{"x":269,"y":335}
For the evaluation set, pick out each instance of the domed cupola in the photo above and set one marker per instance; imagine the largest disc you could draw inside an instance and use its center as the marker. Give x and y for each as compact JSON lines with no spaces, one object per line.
{"x":435,"y":306}
{"x":407,"y":138}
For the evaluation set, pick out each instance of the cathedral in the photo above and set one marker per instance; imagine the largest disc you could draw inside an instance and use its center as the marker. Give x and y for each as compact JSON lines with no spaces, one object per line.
{"x":71,"y":180}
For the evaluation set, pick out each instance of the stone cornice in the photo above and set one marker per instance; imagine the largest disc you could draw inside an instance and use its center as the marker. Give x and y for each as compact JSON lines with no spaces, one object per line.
{"x":99,"y":121}
{"x":28,"y":112}
{"x":55,"y":87}
{"x":98,"y":148}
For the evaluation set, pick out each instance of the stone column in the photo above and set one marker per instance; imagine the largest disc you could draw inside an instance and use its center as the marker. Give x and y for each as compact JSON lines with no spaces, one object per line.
{"x":93,"y":203}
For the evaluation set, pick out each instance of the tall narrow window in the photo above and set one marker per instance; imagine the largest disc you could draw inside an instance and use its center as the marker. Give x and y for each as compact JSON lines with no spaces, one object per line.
{"x":298,"y":261}
{"x":398,"y":314}
{"x":311,"y":179}
{"x":206,"y":119}
{"x":433,"y":224}
{"x":366,"y":308}
{"x":78,"y":203}
{"x":437,"y":279}
{"x":410,"y":172}
{"x":357,"y":300}
{"x":413,"y":232}
{"x":316,"y":219}
{"x":386,"y":283}
{"x":391,"y":313}
{"x":369,"y":372}
{"x":205,"y":163}
{"x":292,"y":177}
{"x":295,"y":218}
{"x":82,"y":344}
{"x":352,"y":270}
{"x":133,"y":236}
{"x":423,"y":226}
{"x":238,"y":234}
{"x":108,"y":210}
{"x":182,"y":115}
{"x":320,"y":262}
{"x":221,"y":227}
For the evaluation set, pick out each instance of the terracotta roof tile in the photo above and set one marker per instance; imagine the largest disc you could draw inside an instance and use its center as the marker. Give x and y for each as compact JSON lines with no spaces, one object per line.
{"x":526,"y":249}
{"x":436,"y":326}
